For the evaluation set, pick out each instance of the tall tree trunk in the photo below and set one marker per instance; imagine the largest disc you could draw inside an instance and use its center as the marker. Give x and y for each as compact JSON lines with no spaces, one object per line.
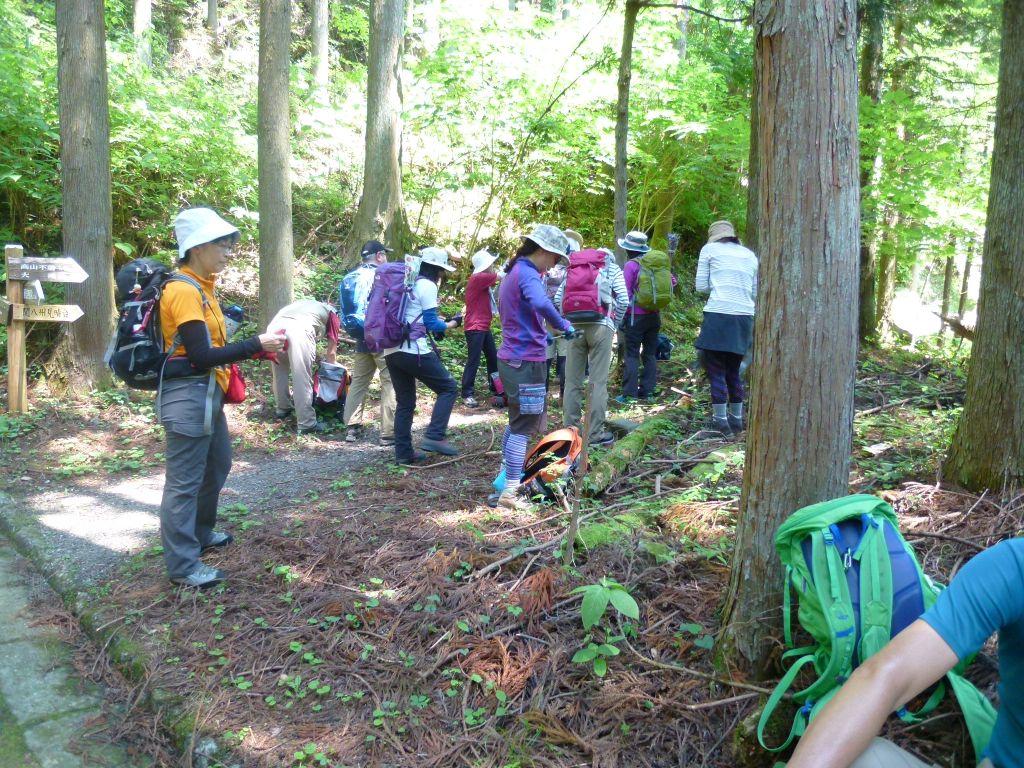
{"x":753,"y":230}
{"x":965,"y":281}
{"x":77,"y":364}
{"x":948,"y":277}
{"x":873,"y":34}
{"x":885,"y":291}
{"x":622,"y":126}
{"x":321,"y":51}
{"x":987,"y":450}
{"x":211,"y":16}
{"x":381,"y":212}
{"x":683,"y":39}
{"x":566,"y":9}
{"x":142,"y":29}
{"x":802,"y":408}
{"x":274,"y":158}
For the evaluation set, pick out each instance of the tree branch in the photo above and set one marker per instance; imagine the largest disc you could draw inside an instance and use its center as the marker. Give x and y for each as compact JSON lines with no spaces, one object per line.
{"x":682,"y":7}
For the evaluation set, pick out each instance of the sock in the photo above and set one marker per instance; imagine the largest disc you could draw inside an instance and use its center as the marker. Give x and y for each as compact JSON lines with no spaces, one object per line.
{"x":515,"y":455}
{"x":719,"y":410}
{"x":736,"y":410}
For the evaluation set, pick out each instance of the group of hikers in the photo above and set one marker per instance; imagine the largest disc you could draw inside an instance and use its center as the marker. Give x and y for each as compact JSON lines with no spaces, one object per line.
{"x":552,"y":290}
{"x":558,"y":304}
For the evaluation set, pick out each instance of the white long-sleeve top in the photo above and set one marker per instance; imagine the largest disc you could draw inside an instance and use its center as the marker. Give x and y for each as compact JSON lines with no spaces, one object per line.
{"x":728,"y":271}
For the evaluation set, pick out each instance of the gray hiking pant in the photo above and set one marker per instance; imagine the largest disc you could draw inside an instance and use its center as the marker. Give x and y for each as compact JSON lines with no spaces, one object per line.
{"x":884,"y":754}
{"x":593,"y":347}
{"x":298,"y":361}
{"x":197,"y":466}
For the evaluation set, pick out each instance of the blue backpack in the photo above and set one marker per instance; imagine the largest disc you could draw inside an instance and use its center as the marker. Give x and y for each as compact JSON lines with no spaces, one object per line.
{"x":354,"y":295}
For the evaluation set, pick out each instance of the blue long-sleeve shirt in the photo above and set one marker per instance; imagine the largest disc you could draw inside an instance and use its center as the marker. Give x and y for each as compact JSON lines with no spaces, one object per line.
{"x":523,"y":306}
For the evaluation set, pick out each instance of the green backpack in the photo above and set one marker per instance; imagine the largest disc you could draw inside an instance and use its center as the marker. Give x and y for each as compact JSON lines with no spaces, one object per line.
{"x":859,"y":584}
{"x":654,"y":284}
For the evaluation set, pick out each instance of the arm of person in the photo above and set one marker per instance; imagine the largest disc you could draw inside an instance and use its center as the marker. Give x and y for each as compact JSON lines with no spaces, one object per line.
{"x":619,"y":293}
{"x":703,"y":282}
{"x":536,"y":298}
{"x":333,"y":333}
{"x":196,"y":339}
{"x":913,"y":660}
{"x":560,"y":293}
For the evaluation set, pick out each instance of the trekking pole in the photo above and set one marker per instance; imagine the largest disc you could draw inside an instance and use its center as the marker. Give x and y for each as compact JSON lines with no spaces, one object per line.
{"x":581,"y":474}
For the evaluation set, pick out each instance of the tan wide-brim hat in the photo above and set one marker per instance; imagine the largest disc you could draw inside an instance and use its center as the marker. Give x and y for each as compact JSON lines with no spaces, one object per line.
{"x":436,"y":256}
{"x":720,"y":230}
{"x":198,"y":226}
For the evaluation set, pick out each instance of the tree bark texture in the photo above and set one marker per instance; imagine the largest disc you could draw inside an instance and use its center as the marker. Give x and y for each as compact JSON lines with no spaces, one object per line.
{"x":965,"y":280}
{"x":142,"y":30}
{"x":753,"y":229}
{"x":85,"y":183}
{"x":987,"y":450}
{"x":211,"y":15}
{"x":801,"y":421}
{"x":622,"y":126}
{"x":321,"y":51}
{"x":274,"y":159}
{"x":381,"y":212}
{"x":873,"y":35}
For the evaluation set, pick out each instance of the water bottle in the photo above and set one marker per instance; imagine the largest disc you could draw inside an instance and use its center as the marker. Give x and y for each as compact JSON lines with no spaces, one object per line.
{"x":234,"y":316}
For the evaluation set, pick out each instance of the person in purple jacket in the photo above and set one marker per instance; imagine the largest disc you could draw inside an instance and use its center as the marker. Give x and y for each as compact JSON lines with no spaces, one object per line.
{"x":523,"y":307}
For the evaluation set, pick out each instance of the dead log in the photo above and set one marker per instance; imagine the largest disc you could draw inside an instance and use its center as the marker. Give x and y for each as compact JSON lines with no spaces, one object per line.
{"x":958,"y":328}
{"x":628,"y":450}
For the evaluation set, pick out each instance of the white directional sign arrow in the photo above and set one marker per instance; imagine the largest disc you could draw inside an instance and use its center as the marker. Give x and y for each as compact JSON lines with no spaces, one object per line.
{"x":63,"y":269}
{"x":53,"y":313}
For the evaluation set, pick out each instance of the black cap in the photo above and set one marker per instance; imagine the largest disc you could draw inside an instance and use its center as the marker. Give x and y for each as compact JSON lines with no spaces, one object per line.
{"x":373,"y":247}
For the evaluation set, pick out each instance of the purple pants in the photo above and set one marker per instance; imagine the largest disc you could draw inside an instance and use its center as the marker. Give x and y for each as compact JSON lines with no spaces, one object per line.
{"x":723,"y":370}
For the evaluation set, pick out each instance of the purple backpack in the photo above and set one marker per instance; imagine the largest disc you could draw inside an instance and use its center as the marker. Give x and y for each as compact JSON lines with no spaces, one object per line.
{"x":385,"y":326}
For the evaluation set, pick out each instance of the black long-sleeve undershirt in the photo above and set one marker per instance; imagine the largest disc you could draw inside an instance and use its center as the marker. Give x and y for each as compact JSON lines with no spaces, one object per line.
{"x":201,"y":355}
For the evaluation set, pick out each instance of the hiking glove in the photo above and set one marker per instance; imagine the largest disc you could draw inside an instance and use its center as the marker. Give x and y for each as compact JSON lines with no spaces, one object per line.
{"x":570,"y":333}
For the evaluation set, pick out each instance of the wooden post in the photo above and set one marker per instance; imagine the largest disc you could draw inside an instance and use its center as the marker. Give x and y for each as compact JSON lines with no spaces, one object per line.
{"x":17,"y":385}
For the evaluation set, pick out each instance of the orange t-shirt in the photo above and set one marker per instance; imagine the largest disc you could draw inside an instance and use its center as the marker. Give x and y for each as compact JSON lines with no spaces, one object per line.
{"x":180,"y":303}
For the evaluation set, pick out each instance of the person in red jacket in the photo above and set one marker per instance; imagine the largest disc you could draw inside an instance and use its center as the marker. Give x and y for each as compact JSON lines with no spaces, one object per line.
{"x":480,"y":310}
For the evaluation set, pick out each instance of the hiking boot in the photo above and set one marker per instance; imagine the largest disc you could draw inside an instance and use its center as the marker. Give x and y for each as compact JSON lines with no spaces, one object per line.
{"x":283,"y":413}
{"x":721,"y":426}
{"x":202,"y":576}
{"x":623,"y":400}
{"x":217,"y":539}
{"x":439,"y":446}
{"x":470,"y":402}
{"x":736,"y":424}
{"x":386,"y":441}
{"x":602,"y":438}
{"x":354,"y":433}
{"x":512,"y":501}
{"x":416,"y":458}
{"x":319,"y":428}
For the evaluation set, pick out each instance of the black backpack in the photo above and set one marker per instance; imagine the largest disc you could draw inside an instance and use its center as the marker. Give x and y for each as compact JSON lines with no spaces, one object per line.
{"x":136,"y":351}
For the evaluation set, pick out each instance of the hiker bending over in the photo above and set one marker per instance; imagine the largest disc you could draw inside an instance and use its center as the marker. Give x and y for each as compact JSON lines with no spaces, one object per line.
{"x":355,"y":292}
{"x":594,"y":298}
{"x":191,"y":397}
{"x":301,"y":323}
{"x":985,"y":598}
{"x":727,"y":271}
{"x":480,"y":310}
{"x":649,"y":281}
{"x":416,"y":360}
{"x":523,"y":307}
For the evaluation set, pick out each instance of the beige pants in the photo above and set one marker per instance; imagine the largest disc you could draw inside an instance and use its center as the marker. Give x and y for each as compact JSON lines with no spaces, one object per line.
{"x":298,"y":361}
{"x":885,"y":754}
{"x":594,"y":345}
{"x":364,"y":365}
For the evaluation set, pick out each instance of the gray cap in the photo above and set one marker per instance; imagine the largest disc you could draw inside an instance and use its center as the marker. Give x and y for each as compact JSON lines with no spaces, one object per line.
{"x":550,"y":238}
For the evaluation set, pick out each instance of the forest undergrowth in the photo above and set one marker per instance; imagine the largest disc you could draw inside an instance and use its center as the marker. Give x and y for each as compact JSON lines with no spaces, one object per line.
{"x":389,"y":617}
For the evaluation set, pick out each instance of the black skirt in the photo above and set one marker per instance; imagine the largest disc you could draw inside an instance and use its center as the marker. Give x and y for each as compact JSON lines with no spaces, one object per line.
{"x":726,"y":333}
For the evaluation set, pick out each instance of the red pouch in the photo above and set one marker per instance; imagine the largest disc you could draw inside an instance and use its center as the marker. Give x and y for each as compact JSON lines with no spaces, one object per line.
{"x":236,"y":386}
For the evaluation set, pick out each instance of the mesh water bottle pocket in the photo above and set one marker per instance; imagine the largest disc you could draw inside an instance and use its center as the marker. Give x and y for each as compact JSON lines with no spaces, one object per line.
{"x":531,"y":399}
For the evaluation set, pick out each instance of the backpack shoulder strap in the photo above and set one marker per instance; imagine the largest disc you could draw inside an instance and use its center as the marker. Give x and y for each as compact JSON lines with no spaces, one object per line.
{"x":978,"y":711}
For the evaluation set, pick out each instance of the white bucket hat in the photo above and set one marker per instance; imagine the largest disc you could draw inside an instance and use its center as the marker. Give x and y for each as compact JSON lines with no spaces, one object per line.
{"x":436,"y":256}
{"x":720,"y":230}
{"x":636,"y":242}
{"x":550,"y":238}
{"x":482,"y":259}
{"x":196,"y":226}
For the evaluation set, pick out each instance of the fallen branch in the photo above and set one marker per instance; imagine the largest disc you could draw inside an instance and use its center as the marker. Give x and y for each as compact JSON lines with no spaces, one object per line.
{"x":904,"y":401}
{"x":629,"y":449}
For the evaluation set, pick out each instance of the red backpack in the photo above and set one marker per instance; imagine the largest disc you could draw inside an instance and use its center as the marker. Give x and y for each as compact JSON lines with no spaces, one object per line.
{"x":587,"y":295}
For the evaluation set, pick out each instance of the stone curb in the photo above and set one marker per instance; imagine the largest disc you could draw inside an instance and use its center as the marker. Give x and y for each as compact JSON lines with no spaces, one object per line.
{"x":175,"y":718}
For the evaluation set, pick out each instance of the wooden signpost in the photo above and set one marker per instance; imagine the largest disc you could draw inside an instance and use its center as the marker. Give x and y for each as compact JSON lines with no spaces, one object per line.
{"x":14,"y":312}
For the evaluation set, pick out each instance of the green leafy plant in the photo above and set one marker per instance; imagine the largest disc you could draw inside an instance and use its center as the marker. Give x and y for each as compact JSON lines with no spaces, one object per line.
{"x":597,"y":598}
{"x":598,"y":653}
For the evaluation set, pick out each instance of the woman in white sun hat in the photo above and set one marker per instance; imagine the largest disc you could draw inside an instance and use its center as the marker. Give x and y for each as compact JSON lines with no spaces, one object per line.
{"x":190,"y":401}
{"x":415,"y":360}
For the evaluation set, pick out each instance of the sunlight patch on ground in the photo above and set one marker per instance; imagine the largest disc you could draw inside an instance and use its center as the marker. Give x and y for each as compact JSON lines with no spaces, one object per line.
{"x":118,"y":532}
